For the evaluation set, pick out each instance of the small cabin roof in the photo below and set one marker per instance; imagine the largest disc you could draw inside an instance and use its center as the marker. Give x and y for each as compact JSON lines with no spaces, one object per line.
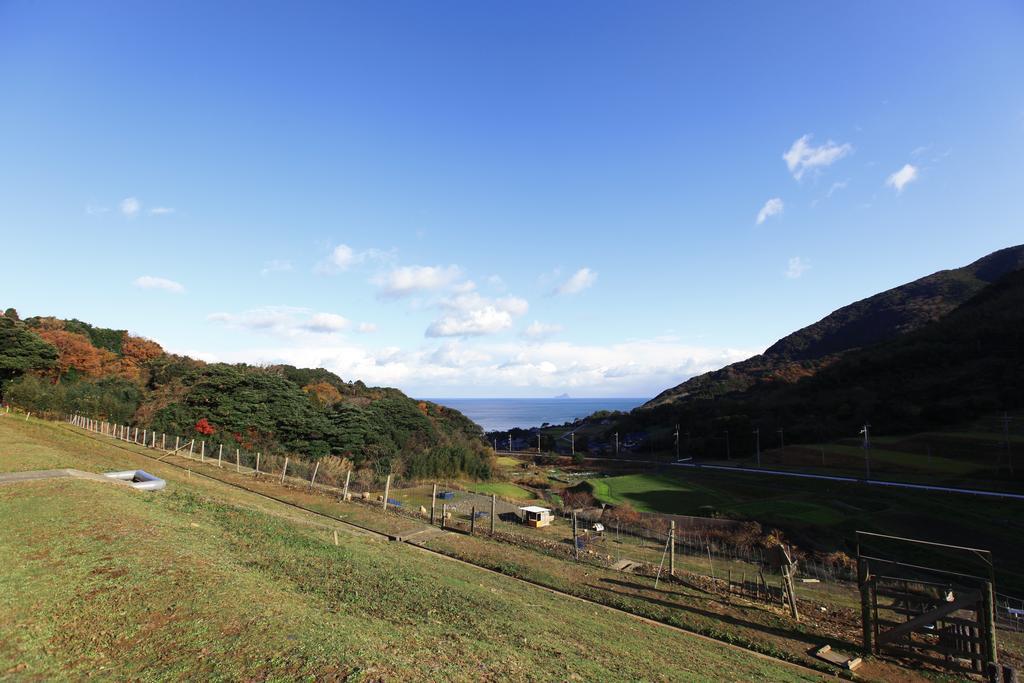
{"x":534,"y":508}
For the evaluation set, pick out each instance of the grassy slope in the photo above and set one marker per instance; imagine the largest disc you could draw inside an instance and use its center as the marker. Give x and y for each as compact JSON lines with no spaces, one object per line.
{"x":203,"y":581}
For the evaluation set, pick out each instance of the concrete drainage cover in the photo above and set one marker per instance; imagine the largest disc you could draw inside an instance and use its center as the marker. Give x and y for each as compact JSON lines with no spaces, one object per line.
{"x":137,"y":479}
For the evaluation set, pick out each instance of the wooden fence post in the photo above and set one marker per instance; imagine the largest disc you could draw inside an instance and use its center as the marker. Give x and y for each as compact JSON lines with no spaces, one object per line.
{"x":433,"y":502}
{"x":672,"y":548}
{"x":348,"y":476}
{"x":312,"y":479}
{"x":387,"y":492}
{"x":989,"y":603}
{"x":256,"y":474}
{"x":787,"y":576}
{"x":220,"y":454}
{"x":163,"y":441}
{"x":176,"y":444}
{"x":444,"y":513}
{"x":202,"y":451}
{"x":284,"y":470}
{"x":494,"y":500}
{"x":575,"y":542}
{"x":191,"y":447}
{"x":472,"y":520}
{"x":238,"y":462}
{"x":866,"y":608}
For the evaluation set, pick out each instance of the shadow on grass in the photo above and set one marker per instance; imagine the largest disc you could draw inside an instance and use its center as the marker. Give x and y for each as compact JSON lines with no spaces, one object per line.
{"x":796,"y":634}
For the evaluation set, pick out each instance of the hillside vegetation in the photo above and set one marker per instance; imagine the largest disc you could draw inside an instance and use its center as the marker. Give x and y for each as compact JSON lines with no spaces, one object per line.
{"x":862,"y":324}
{"x":930,"y":371}
{"x":64,"y":366}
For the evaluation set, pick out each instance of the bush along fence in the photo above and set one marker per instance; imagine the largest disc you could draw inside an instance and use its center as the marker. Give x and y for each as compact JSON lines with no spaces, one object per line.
{"x":592,"y":536}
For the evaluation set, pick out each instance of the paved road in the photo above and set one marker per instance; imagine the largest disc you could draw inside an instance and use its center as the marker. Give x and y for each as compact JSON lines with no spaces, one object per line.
{"x":802,"y":475}
{"x":869,"y":482}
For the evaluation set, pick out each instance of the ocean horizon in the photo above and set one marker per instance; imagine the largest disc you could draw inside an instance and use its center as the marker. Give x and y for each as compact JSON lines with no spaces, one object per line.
{"x":497,"y":414}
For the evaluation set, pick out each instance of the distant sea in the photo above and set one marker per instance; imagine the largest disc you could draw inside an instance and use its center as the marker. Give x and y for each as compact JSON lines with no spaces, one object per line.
{"x":498,"y":414}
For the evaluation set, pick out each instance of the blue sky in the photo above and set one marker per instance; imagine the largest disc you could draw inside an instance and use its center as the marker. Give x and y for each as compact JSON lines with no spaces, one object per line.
{"x":498,"y":199}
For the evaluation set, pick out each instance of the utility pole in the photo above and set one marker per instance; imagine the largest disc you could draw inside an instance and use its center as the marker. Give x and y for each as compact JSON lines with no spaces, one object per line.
{"x":867,"y":449}
{"x":616,"y":444}
{"x":572,"y":438}
{"x":495,"y":445}
{"x":676,"y":435}
{"x":538,"y":441}
{"x":510,"y":442}
{"x":1006,"y":440}
{"x":757,"y":444}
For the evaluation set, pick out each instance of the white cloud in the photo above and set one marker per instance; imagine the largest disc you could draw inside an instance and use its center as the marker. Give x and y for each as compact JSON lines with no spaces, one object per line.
{"x":803,"y":157}
{"x":366,"y":328}
{"x":406,"y":280}
{"x":94,"y":210}
{"x":161,"y":210}
{"x":486,"y":320}
{"x":772,"y":207}
{"x":285,"y":321}
{"x":343,"y":257}
{"x":836,"y":187}
{"x":797,"y":267}
{"x":151,"y":282}
{"x":539,"y":330}
{"x":580,"y":280}
{"x":326,"y":323}
{"x":275,"y":266}
{"x":463,"y":368}
{"x":130,"y":207}
{"x":472,"y":315}
{"x":902,"y":177}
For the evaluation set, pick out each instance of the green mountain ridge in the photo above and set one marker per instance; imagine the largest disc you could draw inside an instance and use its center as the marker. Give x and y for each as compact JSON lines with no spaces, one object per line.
{"x":966,"y":364}
{"x":873,"y":320}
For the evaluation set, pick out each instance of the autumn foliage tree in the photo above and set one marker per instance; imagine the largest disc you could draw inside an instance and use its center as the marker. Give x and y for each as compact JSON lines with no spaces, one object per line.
{"x":323,"y":393}
{"x":76,"y":353}
{"x":204,"y":427}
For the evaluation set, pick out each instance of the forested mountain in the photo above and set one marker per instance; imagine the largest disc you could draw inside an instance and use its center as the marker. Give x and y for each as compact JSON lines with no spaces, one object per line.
{"x":64,"y":366}
{"x":968,"y":363}
{"x":876,"y":319}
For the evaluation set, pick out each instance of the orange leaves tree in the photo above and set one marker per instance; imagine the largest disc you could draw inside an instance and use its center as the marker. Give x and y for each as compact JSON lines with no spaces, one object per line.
{"x":75,"y":353}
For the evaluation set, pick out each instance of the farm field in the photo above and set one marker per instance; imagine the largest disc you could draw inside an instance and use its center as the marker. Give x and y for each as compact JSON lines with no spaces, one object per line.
{"x":503,"y":489}
{"x":825,"y":515}
{"x":202,"y":581}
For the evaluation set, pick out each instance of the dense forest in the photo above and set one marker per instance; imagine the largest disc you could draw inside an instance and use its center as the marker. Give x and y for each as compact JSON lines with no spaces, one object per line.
{"x":64,"y":366}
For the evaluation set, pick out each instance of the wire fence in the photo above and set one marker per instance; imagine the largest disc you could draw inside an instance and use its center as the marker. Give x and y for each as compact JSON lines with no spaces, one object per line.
{"x":591,"y":536}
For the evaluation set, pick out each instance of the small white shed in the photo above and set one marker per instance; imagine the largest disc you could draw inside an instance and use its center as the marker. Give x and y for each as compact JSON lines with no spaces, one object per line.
{"x":536,"y":516}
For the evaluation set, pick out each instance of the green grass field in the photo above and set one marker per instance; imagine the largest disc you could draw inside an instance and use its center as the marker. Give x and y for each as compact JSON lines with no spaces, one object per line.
{"x":205,"y":581}
{"x":826,"y":515}
{"x":503,"y":489}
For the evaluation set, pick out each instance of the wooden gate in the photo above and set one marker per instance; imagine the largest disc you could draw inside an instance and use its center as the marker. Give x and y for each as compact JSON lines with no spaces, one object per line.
{"x":936,"y":615}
